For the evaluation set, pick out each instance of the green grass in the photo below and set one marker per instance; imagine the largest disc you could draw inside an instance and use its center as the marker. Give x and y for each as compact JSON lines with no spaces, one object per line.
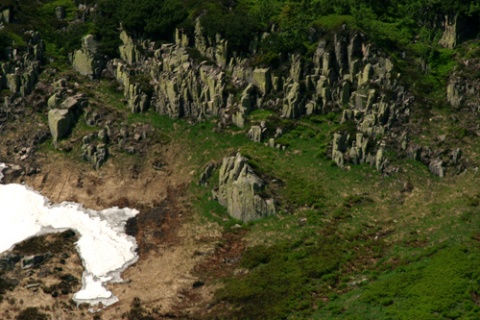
{"x":334,"y":22}
{"x":48,"y":9}
{"x":440,"y":286}
{"x":281,"y":279}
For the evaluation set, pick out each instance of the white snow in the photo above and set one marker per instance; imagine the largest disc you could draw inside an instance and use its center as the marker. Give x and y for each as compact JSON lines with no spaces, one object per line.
{"x":103,"y":246}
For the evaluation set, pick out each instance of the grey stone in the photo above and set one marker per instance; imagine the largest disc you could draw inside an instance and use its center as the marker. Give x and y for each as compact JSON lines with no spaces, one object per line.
{"x":206,"y":174}
{"x":262,"y":80}
{"x":238,"y":190}
{"x":86,"y":61}
{"x":436,"y":168}
{"x":450,"y":34}
{"x":60,"y":122}
{"x":255,"y":133}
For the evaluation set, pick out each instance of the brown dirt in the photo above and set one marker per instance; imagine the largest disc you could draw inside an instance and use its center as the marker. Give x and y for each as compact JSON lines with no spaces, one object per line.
{"x":175,"y":247}
{"x":181,"y":256}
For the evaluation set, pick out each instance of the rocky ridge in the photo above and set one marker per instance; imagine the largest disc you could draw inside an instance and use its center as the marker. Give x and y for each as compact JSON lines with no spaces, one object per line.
{"x":346,"y":74}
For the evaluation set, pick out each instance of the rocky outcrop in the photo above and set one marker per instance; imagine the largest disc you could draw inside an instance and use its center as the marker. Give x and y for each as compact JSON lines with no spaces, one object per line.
{"x":6,"y":15}
{"x":215,"y":49}
{"x":256,"y":133}
{"x":20,"y":72}
{"x":462,"y":92}
{"x":346,"y":74}
{"x":438,"y":161}
{"x":60,"y":123}
{"x":86,"y":61}
{"x":128,"y":51}
{"x":350,"y":75}
{"x":451,"y":30}
{"x":95,"y":154}
{"x":62,"y":119}
{"x":239,"y":189}
{"x":206,"y":174}
{"x":262,"y":79}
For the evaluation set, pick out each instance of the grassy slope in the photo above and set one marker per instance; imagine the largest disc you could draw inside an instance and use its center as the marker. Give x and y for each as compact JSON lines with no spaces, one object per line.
{"x":347,"y":244}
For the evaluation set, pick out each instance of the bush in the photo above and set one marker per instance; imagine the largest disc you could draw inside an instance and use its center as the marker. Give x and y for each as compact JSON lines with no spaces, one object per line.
{"x":32,"y":314}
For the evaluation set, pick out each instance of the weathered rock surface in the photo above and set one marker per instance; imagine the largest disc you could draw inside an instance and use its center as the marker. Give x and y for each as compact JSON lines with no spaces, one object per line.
{"x":206,"y":174}
{"x":60,"y":122}
{"x":452,"y":26}
{"x":61,"y":119}
{"x":128,"y":51}
{"x":86,"y":61}
{"x":238,"y":190}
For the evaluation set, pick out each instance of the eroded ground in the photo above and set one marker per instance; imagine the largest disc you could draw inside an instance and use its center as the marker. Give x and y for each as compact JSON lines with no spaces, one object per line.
{"x":173,"y":277}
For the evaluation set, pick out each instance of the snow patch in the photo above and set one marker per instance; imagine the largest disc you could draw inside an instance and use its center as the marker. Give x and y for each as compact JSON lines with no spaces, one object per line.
{"x":104,"y":247}
{"x":3,"y":166}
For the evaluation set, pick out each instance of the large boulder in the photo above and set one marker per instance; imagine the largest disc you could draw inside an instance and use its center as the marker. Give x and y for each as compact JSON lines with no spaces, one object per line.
{"x":60,"y":122}
{"x":238,"y":190}
{"x":86,"y":60}
{"x":62,"y":119}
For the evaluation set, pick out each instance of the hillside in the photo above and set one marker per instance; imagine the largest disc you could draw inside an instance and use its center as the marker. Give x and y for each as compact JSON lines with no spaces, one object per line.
{"x":289,"y":159}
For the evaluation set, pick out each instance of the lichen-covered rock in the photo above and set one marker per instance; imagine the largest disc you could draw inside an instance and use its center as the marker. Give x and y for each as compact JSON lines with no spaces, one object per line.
{"x":54,"y":101}
{"x":86,"y":61}
{"x":456,"y":92}
{"x":60,"y":123}
{"x":138,"y":101}
{"x":255,"y":133}
{"x":61,"y":119}
{"x":450,"y":34}
{"x":294,"y":102}
{"x":215,"y":49}
{"x":262,"y":79}
{"x":436,"y":167}
{"x":95,"y":154}
{"x":238,"y":190}
{"x":206,"y":174}
{"x":128,"y":51}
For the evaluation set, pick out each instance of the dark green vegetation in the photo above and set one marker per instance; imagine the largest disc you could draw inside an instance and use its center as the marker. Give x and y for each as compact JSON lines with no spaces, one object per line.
{"x":60,"y":36}
{"x":32,"y":314}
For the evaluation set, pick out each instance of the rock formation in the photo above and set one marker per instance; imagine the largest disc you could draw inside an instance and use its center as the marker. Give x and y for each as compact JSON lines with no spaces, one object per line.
{"x":61,"y":119}
{"x":238,"y":190}
{"x":86,"y":61}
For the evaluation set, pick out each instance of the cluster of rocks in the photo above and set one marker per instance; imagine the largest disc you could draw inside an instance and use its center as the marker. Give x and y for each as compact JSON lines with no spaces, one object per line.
{"x":19,"y":73}
{"x":112,"y":135}
{"x":239,"y":189}
{"x":181,"y":81}
{"x":438,"y":160}
{"x":261,"y":132}
{"x":199,"y":77}
{"x":95,"y":153}
{"x":345,"y":74}
{"x":352,"y":75}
